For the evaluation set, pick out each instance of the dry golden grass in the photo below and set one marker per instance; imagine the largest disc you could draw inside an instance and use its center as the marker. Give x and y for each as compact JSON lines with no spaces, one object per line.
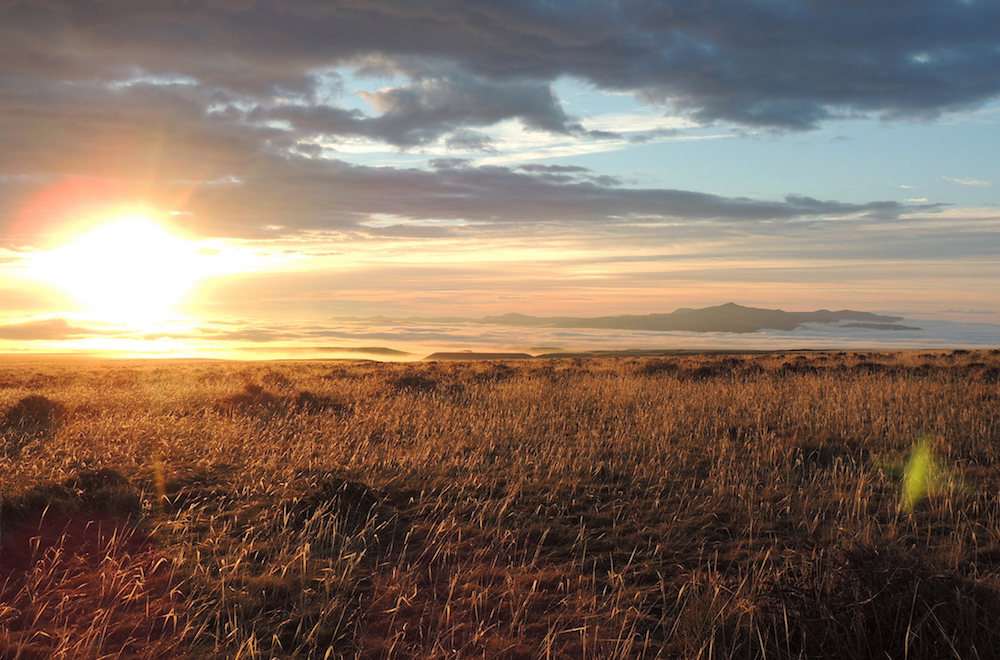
{"x":687,"y":507}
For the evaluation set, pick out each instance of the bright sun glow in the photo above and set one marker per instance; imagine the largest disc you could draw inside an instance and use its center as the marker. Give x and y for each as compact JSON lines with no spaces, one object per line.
{"x":130,"y":270}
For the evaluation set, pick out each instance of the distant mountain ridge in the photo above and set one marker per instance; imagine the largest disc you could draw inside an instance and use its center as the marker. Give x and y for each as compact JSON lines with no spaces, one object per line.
{"x":729,"y":317}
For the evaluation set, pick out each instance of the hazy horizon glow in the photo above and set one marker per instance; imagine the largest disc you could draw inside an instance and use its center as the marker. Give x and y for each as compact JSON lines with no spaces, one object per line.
{"x":466,"y":159}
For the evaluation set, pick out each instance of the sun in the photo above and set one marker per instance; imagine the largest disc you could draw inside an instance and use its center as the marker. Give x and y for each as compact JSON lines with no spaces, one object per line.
{"x":129,"y":269}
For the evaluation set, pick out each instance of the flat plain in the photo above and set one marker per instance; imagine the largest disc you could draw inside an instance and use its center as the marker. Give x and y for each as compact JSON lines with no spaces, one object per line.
{"x":786,"y":505}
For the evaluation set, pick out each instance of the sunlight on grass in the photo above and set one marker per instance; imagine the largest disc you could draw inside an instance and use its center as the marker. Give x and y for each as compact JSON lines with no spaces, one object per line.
{"x":688,"y":507}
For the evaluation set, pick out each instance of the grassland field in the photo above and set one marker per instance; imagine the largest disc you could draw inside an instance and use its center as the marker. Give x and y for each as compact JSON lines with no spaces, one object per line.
{"x":814,"y":505}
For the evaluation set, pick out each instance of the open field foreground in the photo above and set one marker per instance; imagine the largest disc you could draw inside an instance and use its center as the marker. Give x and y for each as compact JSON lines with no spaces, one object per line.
{"x":780,"y":506}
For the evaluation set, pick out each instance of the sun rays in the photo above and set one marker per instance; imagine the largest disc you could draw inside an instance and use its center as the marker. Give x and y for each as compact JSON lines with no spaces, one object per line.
{"x":132,"y":269}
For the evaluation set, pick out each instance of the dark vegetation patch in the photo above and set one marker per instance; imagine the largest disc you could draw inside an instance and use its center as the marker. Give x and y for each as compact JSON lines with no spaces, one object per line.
{"x":707,"y":372}
{"x":496,"y":372}
{"x":877,"y":601}
{"x":254,"y":400}
{"x":209,"y":490}
{"x":356,"y":507}
{"x":30,"y":418}
{"x":32,"y":415}
{"x":275,"y":379}
{"x":790,"y":368}
{"x":316,"y":404}
{"x":103,"y":491}
{"x":41,"y":382}
{"x":984,"y":372}
{"x":658,"y":367}
{"x":685,"y":370}
{"x":75,"y":565}
{"x":482,"y":590}
{"x":701,"y":373}
{"x":870,"y":367}
{"x":414,"y":383}
{"x":834,"y":453}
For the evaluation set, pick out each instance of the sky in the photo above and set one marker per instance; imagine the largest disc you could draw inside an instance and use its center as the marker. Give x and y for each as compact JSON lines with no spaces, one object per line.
{"x":223,"y":168}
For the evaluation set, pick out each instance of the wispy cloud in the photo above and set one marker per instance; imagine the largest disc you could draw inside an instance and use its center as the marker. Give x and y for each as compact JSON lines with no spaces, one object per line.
{"x":303,"y":195}
{"x":966,"y":182}
{"x":635,"y":122}
{"x":49,"y":329}
{"x":517,"y":147}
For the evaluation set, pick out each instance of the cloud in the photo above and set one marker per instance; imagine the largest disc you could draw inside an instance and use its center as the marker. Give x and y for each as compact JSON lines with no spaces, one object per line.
{"x":429,"y":107}
{"x":230,"y":114}
{"x":967,"y":182}
{"x":789,"y":65}
{"x":283,"y":195}
{"x":344,"y":196}
{"x":466,"y":140}
{"x":50,"y":329}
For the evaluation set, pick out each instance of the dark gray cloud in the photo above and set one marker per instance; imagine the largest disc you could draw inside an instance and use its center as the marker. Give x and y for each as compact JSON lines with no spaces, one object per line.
{"x":465,"y":140}
{"x":433,"y":105}
{"x":784,"y":63}
{"x":226,"y":110}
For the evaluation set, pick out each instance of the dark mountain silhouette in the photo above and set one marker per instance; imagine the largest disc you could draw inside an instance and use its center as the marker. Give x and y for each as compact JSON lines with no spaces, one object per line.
{"x":721,"y":318}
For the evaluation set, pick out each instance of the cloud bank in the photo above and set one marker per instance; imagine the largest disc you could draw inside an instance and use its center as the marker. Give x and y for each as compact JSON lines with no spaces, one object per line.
{"x":233,"y":113}
{"x":788,"y":63}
